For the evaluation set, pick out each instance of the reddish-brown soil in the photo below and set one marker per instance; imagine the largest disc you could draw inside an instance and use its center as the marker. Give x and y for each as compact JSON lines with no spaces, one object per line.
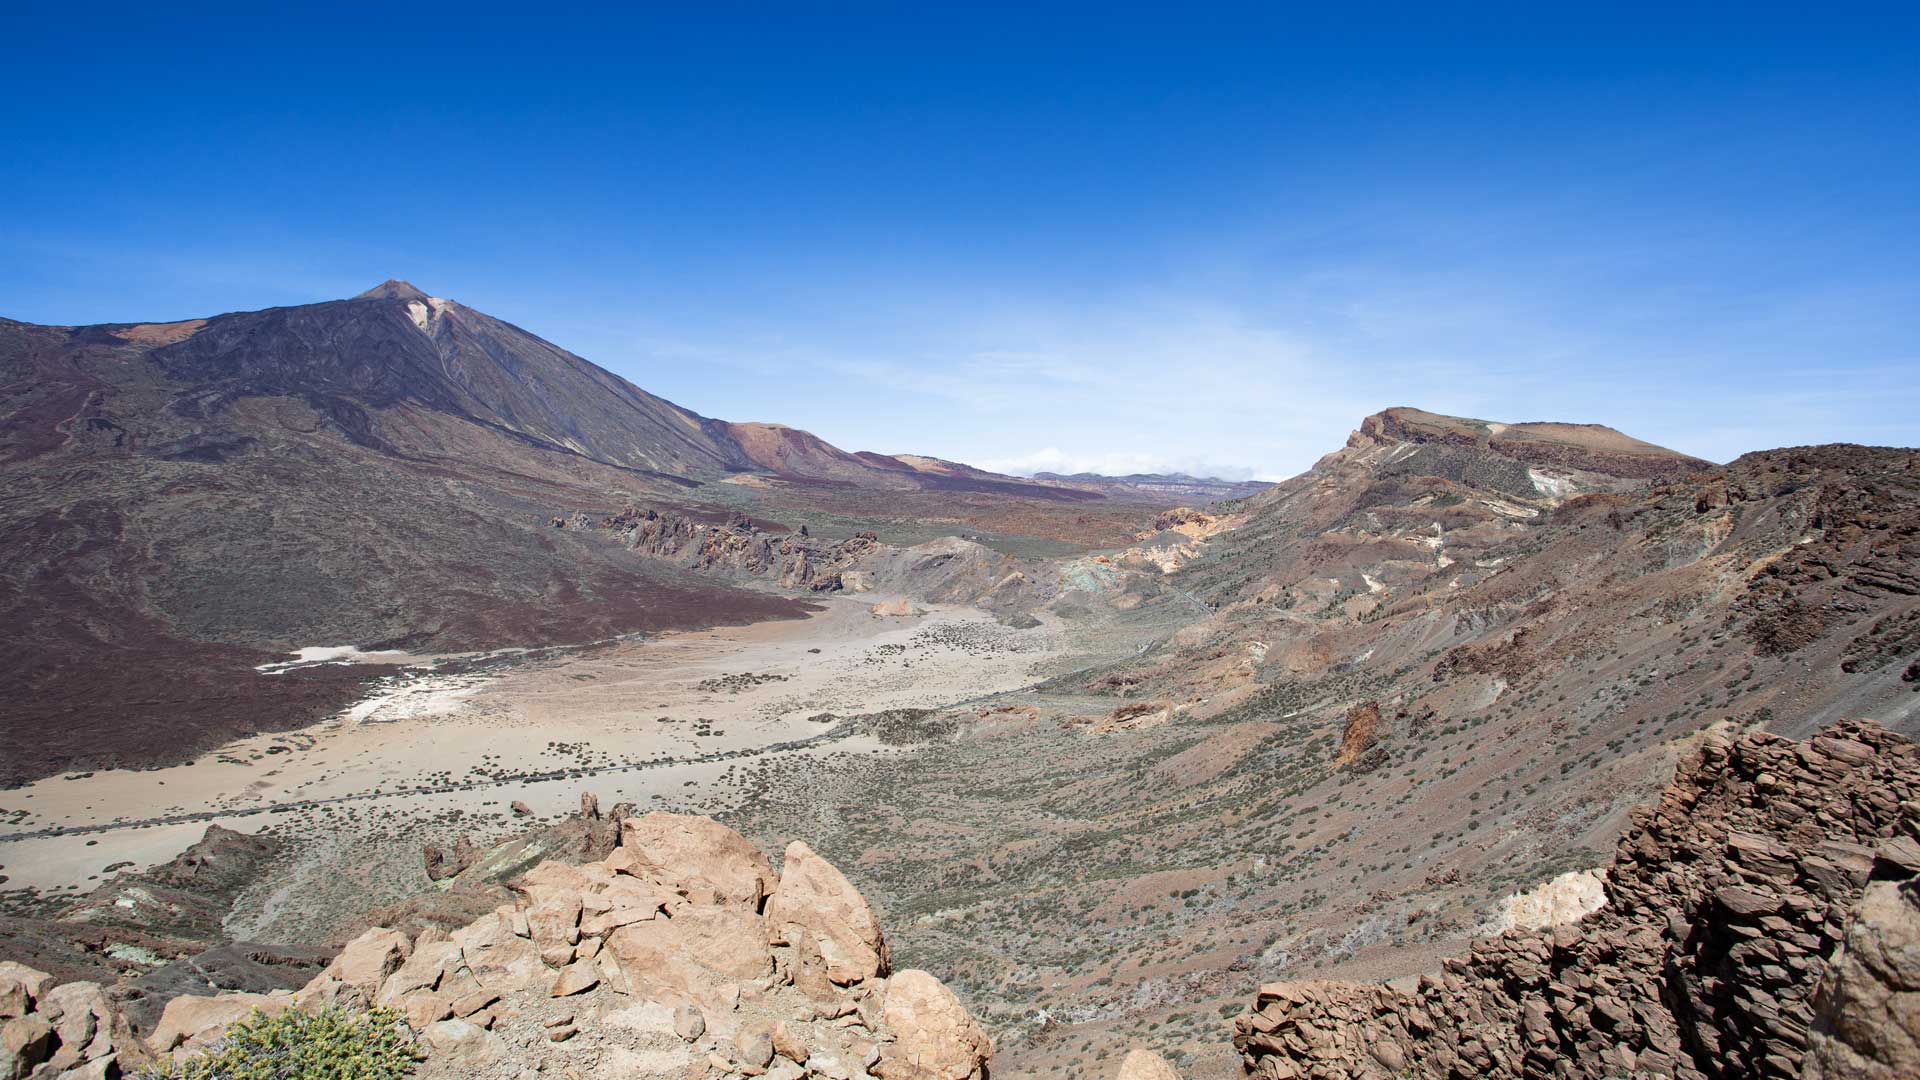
{"x":152,"y":698}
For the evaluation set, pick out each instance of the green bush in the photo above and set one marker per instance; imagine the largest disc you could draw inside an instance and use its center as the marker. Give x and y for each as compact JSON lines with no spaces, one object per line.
{"x":331,"y":1044}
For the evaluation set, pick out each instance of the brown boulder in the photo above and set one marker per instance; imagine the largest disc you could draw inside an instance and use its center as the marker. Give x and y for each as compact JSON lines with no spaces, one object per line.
{"x":500,"y":959}
{"x":462,"y":1042}
{"x":25,"y":1042}
{"x":727,"y":941}
{"x":695,"y":954}
{"x":20,"y":988}
{"x":83,"y":1022}
{"x":555,"y":920}
{"x":756,"y":1047}
{"x":1144,"y":1064}
{"x":688,"y":1021}
{"x":577,"y":977}
{"x":816,"y":897}
{"x":423,"y":970}
{"x":368,"y":959}
{"x":191,"y":1020}
{"x":700,"y":858}
{"x":934,"y":1038}
{"x":1867,"y":1007}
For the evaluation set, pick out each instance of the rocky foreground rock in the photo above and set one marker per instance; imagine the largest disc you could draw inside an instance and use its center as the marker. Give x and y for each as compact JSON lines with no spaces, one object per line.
{"x":681,"y":954}
{"x":1763,"y":920}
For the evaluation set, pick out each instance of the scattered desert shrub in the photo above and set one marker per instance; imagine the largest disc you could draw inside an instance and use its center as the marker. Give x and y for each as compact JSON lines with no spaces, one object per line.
{"x":331,"y":1044}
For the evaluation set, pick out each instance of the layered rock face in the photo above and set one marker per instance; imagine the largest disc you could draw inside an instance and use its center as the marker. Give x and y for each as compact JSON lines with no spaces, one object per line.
{"x":1719,"y":954}
{"x":681,"y":954}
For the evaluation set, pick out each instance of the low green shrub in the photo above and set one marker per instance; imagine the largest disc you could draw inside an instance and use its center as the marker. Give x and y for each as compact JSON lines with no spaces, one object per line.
{"x":330,"y":1044}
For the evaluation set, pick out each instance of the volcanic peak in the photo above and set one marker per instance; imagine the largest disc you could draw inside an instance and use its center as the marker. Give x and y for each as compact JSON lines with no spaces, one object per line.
{"x":393,"y":289}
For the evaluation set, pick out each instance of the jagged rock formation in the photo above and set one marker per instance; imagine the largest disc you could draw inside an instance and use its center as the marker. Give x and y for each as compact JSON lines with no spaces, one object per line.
{"x":739,"y":547}
{"x":68,"y":1031}
{"x":680,"y":954}
{"x":950,"y":570}
{"x":1726,"y":902}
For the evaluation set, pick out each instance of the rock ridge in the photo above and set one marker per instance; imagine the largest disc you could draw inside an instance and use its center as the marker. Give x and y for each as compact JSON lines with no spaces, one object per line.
{"x":1762,"y":922}
{"x":681,"y":954}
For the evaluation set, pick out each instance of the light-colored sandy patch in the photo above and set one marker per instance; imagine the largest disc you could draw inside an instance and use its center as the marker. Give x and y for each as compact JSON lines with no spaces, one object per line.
{"x":339,"y":654}
{"x":413,"y":697}
{"x":1568,"y":898}
{"x":647,"y":721}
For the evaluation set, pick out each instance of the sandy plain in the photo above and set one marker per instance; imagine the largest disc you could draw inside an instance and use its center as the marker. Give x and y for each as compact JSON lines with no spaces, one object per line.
{"x":445,"y":749}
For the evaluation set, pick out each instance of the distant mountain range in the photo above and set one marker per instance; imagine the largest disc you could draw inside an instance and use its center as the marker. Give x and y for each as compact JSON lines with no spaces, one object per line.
{"x":1175,"y":485}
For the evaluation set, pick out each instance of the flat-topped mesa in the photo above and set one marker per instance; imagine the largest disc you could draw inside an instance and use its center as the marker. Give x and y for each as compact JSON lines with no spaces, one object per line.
{"x":679,"y":953}
{"x":1589,"y":447}
{"x":1763,"y":920}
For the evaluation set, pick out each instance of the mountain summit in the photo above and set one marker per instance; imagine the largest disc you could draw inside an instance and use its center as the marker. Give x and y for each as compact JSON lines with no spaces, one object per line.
{"x":393,"y":289}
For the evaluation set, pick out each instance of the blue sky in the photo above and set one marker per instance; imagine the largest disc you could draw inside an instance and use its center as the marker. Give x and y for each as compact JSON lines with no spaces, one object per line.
{"x":1095,"y":237}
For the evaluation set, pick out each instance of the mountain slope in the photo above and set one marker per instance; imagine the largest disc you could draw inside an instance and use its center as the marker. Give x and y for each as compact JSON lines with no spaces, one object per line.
{"x":394,"y":347}
{"x":188,"y":500}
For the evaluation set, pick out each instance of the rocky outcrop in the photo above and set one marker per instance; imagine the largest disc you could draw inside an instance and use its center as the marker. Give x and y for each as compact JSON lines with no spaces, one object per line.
{"x":680,"y":954}
{"x":818,"y":912}
{"x":951,"y":569}
{"x":185,"y":898}
{"x":738,"y":546}
{"x":1858,"y":554}
{"x":938,"y":1040}
{"x":1867,"y":1009}
{"x":1729,"y":902}
{"x":146,"y":936}
{"x":69,"y":1031}
{"x":1358,"y":737}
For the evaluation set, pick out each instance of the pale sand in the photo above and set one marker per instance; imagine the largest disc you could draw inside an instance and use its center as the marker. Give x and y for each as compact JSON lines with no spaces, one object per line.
{"x":600,"y":708}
